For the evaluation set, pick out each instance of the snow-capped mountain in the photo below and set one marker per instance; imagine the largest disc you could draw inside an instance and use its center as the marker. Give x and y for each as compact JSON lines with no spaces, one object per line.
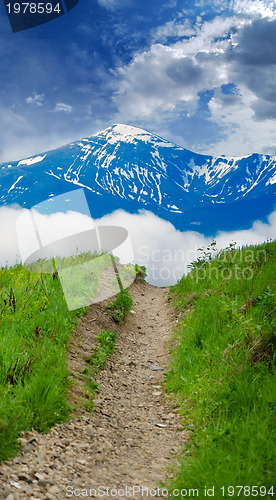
{"x":129,"y":168}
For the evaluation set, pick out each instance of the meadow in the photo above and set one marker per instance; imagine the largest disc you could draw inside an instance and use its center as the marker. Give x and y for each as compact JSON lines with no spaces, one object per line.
{"x":37,"y":318}
{"x":223,"y":372}
{"x":223,"y":364}
{"x":35,"y":327}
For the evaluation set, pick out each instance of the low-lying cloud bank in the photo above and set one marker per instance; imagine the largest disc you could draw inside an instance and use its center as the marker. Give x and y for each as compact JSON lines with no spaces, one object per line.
{"x":166,"y":252}
{"x":157,"y":245}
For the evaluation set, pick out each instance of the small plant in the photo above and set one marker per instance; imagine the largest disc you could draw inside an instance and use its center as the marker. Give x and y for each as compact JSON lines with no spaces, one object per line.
{"x":121,"y":306}
{"x":206,"y":256}
{"x":141,"y":272}
{"x":210,"y":253}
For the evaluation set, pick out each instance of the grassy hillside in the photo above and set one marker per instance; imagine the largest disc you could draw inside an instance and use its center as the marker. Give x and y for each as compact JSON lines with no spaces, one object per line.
{"x":35,"y":327}
{"x":223,"y":372}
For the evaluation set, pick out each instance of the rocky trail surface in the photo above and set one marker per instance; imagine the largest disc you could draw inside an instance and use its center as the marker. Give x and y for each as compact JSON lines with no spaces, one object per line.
{"x":132,"y":437}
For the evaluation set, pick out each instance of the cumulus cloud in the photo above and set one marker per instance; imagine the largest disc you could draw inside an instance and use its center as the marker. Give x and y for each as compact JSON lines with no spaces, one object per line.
{"x":169,"y":79}
{"x":217,"y":5}
{"x":165,"y":251}
{"x":263,"y":8}
{"x":165,"y":77}
{"x":253,"y":64}
{"x":173,"y":29}
{"x":62,"y":107}
{"x":164,"y":87}
{"x":255,"y":43}
{"x":36,"y":99}
{"x":243,"y":135}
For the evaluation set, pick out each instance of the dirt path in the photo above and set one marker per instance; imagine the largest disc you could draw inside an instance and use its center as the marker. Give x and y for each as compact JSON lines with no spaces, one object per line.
{"x":132,"y":436}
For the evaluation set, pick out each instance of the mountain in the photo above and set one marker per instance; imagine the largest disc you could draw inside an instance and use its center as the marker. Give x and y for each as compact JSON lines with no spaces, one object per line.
{"x":128,"y":168}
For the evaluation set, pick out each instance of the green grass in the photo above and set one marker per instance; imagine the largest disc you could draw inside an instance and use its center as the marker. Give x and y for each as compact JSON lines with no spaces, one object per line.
{"x":105,"y":346}
{"x":121,"y":306}
{"x":223,"y":370}
{"x":80,"y":275}
{"x":35,"y":326}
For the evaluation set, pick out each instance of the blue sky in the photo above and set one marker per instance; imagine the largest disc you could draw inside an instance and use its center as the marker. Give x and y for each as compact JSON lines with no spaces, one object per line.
{"x":201,"y":73}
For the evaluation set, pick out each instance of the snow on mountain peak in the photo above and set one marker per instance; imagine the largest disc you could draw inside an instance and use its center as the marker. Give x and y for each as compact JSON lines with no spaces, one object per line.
{"x":129,"y":134}
{"x":124,"y":133}
{"x":129,"y":130}
{"x":134,"y":168}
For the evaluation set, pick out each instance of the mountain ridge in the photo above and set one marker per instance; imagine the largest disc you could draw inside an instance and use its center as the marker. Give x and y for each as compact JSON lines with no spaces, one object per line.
{"x":126,"y":167}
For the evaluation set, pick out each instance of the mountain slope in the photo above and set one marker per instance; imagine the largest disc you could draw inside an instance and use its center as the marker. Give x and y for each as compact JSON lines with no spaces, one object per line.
{"x":129,"y":168}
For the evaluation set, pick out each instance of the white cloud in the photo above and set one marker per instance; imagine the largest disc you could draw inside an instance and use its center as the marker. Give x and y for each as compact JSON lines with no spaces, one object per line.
{"x":167,"y":80}
{"x":18,"y":242}
{"x":164,"y":251}
{"x":166,"y":77}
{"x":36,"y":99}
{"x":244,"y":134}
{"x":108,"y":3}
{"x":216,"y":5}
{"x":169,"y":76}
{"x":62,"y":107}
{"x":113,"y":4}
{"x":173,"y":29}
{"x":264,"y":8}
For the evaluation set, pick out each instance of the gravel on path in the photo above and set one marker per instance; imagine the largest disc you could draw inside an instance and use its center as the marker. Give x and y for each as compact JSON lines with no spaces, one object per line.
{"x":127,"y":445}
